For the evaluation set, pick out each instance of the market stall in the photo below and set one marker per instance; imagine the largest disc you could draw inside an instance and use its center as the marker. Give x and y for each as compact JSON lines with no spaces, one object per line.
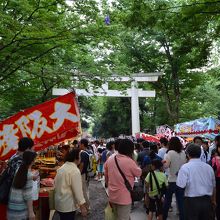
{"x":48,"y":124}
{"x":207,"y":127}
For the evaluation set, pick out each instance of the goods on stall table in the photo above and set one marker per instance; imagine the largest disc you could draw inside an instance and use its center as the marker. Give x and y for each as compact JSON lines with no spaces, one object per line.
{"x":46,"y":161}
{"x":47,"y":182}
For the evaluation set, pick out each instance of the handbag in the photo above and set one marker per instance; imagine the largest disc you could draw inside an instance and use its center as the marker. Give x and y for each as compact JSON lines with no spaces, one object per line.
{"x":137,"y":193}
{"x":110,"y":213}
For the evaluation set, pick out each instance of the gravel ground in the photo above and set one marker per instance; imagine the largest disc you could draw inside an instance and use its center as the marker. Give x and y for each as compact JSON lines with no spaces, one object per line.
{"x":98,"y":200}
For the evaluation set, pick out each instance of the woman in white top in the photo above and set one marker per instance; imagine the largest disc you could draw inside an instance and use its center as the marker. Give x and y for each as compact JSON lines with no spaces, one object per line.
{"x":174,"y":159}
{"x":68,"y":187}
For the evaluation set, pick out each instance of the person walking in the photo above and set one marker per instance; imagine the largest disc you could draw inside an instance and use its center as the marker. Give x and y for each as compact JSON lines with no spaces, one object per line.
{"x":199,"y":141}
{"x":164,"y":147}
{"x":173,"y":160}
{"x":7,"y":176}
{"x":68,"y":187}
{"x":119,"y":196}
{"x":144,"y":152}
{"x":156,"y":182}
{"x":20,"y":205}
{"x":83,"y":166}
{"x":198,"y":180}
{"x":216,"y":167}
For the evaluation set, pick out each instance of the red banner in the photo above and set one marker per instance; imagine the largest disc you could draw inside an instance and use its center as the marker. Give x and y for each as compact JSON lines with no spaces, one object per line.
{"x":48,"y":123}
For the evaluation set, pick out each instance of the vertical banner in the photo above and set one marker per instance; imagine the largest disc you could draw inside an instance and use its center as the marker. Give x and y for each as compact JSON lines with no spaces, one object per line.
{"x":48,"y":123}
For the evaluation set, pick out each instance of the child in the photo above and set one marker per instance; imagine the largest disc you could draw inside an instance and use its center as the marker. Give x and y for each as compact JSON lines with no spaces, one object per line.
{"x":100,"y":164}
{"x":155,"y":203}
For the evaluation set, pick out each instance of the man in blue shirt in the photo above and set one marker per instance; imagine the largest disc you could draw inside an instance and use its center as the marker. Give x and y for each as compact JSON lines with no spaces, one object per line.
{"x":145,"y":152}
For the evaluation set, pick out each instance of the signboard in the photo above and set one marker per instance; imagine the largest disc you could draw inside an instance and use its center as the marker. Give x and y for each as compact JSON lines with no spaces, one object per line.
{"x":199,"y":126}
{"x":48,"y":123}
{"x":165,"y":131}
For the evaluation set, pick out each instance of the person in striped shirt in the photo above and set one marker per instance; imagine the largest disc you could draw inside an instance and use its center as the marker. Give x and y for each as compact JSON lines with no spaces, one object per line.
{"x":20,"y":205}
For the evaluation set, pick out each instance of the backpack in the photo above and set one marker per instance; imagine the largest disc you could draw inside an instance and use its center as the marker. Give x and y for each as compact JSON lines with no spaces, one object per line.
{"x":6,"y":179}
{"x":89,"y":170}
{"x":104,"y":156}
{"x":161,"y":190}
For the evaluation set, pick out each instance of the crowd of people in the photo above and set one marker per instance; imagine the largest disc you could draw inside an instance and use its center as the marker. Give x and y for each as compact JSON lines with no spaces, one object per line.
{"x":191,"y":172}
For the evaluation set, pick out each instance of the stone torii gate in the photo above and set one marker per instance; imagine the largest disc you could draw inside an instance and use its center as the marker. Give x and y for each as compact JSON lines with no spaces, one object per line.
{"x":132,"y":92}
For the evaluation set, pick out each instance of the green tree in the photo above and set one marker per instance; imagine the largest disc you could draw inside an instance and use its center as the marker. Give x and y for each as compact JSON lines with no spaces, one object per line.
{"x":171,"y":41}
{"x":43,"y":43}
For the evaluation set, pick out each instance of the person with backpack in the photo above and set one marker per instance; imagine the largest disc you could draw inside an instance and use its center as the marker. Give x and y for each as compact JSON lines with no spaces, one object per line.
{"x":156,"y":183}
{"x":216,"y":167}
{"x":84,"y":167}
{"x":8,"y":174}
{"x":20,"y":205}
{"x":151,"y":156}
{"x":144,"y":152}
{"x":146,"y":166}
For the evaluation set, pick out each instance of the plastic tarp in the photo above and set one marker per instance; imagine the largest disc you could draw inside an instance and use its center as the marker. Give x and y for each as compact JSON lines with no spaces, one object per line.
{"x":208,"y":127}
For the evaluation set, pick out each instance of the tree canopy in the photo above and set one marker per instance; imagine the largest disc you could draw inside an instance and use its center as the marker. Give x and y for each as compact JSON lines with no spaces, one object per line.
{"x":43,"y":43}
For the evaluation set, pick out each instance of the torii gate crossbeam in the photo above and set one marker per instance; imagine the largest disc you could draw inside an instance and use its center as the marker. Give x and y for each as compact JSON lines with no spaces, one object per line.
{"x":133,"y":92}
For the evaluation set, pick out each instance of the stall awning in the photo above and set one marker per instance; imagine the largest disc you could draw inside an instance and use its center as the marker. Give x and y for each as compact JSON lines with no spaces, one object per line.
{"x":208,"y":127}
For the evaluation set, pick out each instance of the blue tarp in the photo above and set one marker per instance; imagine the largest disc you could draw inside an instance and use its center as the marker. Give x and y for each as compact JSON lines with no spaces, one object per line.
{"x":208,"y":127}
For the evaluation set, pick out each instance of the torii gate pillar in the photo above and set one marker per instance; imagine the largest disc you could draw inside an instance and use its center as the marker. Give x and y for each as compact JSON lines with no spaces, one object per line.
{"x":135,"y":114}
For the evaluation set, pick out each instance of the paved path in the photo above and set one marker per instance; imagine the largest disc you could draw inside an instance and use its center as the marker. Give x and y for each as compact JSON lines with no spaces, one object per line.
{"x":99,"y":201}
{"x":138,"y":213}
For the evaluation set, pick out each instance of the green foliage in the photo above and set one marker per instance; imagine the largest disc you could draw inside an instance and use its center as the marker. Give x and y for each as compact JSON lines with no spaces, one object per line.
{"x":174,"y":38}
{"x":114,"y":118}
{"x":43,"y":43}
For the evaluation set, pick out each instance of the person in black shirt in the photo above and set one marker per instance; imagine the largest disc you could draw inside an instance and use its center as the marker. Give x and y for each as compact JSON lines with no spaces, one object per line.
{"x":84,"y":163}
{"x":145,"y":152}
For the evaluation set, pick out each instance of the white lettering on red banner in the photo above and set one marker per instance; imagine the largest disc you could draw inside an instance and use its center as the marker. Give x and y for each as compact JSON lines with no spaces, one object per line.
{"x":46,"y":124}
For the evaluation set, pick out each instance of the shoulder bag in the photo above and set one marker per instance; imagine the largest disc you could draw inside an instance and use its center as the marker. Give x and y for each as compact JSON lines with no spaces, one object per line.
{"x":137,"y":192}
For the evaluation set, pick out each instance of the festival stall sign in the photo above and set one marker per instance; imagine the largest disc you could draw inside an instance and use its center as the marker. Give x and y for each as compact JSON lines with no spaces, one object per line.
{"x":47,"y":124}
{"x":165,"y":131}
{"x":202,"y":126}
